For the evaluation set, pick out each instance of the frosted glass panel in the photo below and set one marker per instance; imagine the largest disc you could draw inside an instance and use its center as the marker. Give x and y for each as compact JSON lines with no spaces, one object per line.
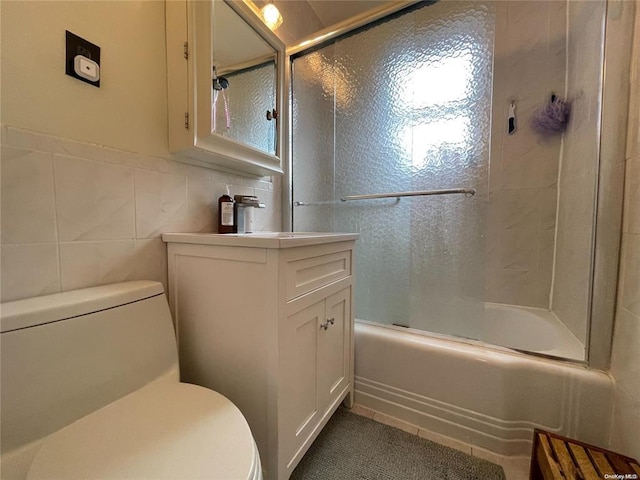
{"x":451,"y":86}
{"x":312,"y":141}
{"x":250,"y":95}
{"x":402,"y":106}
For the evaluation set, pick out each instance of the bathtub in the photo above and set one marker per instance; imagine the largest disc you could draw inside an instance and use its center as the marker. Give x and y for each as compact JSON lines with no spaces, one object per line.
{"x":489,"y":397}
{"x":530,"y":330}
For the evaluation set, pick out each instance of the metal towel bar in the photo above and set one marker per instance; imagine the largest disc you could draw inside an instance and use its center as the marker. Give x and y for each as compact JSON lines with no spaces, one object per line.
{"x":468,"y":192}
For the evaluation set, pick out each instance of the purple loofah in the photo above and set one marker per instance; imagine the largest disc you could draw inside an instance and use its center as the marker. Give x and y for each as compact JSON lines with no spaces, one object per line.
{"x":552,"y":118}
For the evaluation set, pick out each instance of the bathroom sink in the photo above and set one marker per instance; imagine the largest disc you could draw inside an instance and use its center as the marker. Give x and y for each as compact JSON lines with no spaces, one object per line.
{"x":259,"y":239}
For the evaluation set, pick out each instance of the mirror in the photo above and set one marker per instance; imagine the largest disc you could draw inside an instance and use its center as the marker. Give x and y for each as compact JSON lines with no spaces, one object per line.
{"x":219,"y":119}
{"x":244,"y":82}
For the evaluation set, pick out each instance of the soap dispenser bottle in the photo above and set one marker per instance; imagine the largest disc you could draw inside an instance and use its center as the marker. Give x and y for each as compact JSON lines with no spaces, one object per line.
{"x":226,"y":214}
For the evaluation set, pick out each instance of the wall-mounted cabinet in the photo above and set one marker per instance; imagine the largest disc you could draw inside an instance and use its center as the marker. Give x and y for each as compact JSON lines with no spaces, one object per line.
{"x":225,"y":73}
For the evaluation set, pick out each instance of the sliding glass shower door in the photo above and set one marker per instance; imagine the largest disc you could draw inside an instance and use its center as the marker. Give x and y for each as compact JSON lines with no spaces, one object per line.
{"x":402,"y":106}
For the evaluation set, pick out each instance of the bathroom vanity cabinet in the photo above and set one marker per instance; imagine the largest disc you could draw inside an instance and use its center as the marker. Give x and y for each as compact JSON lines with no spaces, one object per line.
{"x":267,"y":320}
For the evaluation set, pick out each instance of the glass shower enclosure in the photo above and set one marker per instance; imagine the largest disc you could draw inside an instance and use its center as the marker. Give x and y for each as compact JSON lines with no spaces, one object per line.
{"x":420,"y":102}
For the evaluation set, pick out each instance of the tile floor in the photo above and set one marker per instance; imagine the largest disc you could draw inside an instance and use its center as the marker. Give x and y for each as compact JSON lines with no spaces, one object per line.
{"x":515,"y":468}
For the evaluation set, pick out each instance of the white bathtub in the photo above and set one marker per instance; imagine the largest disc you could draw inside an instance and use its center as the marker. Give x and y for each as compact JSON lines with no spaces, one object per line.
{"x":530,"y":330}
{"x":490,"y":397}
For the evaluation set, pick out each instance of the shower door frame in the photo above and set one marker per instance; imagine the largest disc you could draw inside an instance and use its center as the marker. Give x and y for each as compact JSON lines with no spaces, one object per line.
{"x":607,"y":232}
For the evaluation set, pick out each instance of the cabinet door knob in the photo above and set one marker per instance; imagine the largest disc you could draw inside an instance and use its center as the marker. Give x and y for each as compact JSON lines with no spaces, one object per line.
{"x":272,"y":114}
{"x":328,"y":323}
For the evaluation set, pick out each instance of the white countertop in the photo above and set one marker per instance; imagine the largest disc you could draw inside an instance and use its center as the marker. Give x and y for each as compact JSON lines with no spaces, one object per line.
{"x":259,"y":239}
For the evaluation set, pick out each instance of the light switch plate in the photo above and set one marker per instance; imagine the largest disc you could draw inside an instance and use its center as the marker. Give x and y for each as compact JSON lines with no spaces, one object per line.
{"x":82,"y":59}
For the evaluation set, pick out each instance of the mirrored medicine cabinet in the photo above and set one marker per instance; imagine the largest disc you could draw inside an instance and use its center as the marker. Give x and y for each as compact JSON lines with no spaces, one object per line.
{"x":225,"y":72}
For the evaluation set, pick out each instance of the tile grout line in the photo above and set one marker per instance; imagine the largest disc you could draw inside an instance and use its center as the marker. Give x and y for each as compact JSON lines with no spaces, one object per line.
{"x":55,"y":219}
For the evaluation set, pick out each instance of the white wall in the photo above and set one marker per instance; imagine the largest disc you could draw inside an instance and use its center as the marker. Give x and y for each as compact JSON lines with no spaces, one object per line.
{"x":625,"y":362}
{"x":128,"y":111}
{"x":88,"y":184}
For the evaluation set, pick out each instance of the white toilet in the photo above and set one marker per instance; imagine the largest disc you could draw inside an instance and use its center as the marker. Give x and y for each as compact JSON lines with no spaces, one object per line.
{"x":90,"y":389}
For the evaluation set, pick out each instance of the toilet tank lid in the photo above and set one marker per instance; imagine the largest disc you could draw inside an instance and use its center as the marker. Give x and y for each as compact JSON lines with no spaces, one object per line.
{"x":60,"y":306}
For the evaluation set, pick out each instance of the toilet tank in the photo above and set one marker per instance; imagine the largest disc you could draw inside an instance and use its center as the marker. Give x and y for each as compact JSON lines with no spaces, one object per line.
{"x":66,"y":355}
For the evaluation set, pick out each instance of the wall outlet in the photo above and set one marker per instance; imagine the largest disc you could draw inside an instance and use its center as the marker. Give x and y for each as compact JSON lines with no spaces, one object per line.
{"x":82,"y":59}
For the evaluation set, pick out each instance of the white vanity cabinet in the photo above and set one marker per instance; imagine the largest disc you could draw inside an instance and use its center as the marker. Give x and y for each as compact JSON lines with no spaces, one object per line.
{"x":267,"y":320}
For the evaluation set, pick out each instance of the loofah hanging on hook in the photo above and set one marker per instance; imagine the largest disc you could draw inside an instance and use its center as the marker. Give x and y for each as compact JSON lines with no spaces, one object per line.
{"x":553,"y":118}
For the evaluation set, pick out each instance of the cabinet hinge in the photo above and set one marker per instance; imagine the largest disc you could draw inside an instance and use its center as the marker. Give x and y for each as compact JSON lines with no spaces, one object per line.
{"x":186,"y":120}
{"x":186,"y":50}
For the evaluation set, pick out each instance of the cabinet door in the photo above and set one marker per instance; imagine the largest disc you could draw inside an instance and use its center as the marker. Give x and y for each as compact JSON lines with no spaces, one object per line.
{"x":334,"y":348}
{"x":298,"y":408}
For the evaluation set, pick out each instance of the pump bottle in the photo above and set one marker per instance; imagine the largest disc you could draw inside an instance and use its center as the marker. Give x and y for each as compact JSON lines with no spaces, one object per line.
{"x":226,"y":215}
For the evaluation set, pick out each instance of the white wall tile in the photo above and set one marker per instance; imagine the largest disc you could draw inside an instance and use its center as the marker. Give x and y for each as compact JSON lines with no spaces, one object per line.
{"x":626,"y":421}
{"x":530,"y":63}
{"x":135,"y":160}
{"x":87,"y":264}
{"x":203,"y":197}
{"x":493,"y":249}
{"x":626,"y":369}
{"x":633,"y":136}
{"x":578,"y":173}
{"x":161,"y":203}
{"x":95,"y":204}
{"x":529,"y":168}
{"x":28,"y":212}
{"x":268,"y":218}
{"x":517,"y":209}
{"x":240,"y":190}
{"x":571,"y":281}
{"x":546,"y":246}
{"x":150,"y":261}
{"x":519,"y":249}
{"x":524,"y":20}
{"x":547,"y":200}
{"x":632,"y":196}
{"x":577,"y":205}
{"x":630,"y":273}
{"x":263,"y":184}
{"x":29,"y":270}
{"x":624,"y":358}
{"x":47,"y":143}
{"x":512,"y":286}
{"x":94,"y":200}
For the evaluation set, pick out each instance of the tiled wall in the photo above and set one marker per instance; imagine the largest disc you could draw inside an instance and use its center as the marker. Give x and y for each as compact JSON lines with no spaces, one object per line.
{"x":78,"y":207}
{"x":530,"y":64}
{"x":578,"y":171}
{"x":75,"y":214}
{"x":625,"y":362}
